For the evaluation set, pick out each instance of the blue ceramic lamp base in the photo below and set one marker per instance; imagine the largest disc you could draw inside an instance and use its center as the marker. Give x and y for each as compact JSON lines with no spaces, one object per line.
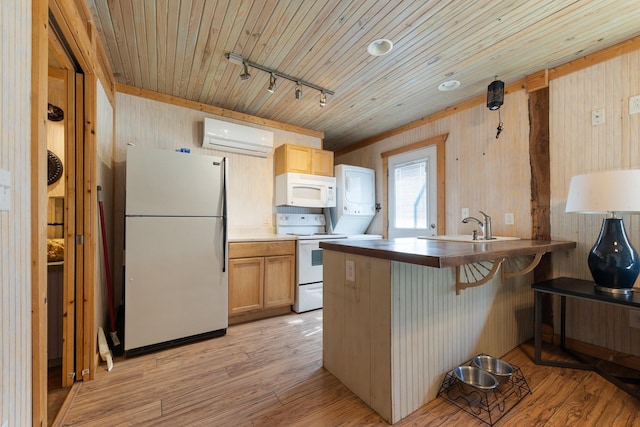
{"x":613,"y":262}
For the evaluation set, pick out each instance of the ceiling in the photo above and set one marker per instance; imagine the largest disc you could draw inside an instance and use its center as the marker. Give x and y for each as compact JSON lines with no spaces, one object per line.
{"x":178,"y":47}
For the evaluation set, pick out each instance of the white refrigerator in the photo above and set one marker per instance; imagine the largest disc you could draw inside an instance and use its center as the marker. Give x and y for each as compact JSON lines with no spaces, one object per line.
{"x":175,"y":288}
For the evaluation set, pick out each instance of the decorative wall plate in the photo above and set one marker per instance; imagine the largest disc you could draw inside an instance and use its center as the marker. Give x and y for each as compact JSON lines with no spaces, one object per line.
{"x":55,"y":114}
{"x":54,"y":168}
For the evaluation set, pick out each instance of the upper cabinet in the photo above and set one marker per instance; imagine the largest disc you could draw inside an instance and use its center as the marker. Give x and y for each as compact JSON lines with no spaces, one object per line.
{"x":301,"y":159}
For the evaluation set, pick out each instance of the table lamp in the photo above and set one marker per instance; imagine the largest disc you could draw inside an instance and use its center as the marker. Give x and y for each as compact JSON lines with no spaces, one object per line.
{"x":613,"y":261}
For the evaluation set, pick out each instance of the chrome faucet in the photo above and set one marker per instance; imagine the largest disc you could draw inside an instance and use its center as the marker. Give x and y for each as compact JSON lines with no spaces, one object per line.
{"x":485,"y":226}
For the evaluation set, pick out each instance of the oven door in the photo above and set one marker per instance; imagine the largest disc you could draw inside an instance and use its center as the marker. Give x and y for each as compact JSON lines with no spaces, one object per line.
{"x":309,"y":265}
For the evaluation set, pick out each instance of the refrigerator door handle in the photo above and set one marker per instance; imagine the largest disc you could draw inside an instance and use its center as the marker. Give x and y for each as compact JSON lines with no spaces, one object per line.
{"x":224,"y":214}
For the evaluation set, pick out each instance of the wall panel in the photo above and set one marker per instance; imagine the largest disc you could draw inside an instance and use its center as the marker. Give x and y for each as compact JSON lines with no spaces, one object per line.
{"x":148,"y":123}
{"x":576,"y":147}
{"x":482,"y":172}
{"x":15,"y":224}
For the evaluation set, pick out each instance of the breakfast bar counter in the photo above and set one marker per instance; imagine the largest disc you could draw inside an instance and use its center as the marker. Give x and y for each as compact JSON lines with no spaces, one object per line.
{"x":399,"y":314}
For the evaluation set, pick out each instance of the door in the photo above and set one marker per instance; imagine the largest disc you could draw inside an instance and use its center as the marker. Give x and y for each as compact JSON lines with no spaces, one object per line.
{"x":278,"y":281}
{"x":359,"y":187}
{"x":413,"y":209}
{"x":164,"y":182}
{"x":309,"y":265}
{"x":246,"y":279}
{"x":174,"y":283}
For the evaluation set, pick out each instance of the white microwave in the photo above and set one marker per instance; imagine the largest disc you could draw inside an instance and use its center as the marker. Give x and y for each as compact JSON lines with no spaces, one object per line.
{"x":304,"y":190}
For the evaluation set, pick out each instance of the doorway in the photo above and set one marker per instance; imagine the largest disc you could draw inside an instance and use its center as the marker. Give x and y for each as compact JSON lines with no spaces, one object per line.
{"x":413,"y":203}
{"x":64,"y":130}
{"x":414,"y":189}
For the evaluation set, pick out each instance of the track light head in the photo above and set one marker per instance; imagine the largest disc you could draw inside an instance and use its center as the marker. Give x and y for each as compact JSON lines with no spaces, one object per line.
{"x":245,"y":75}
{"x":298,"y":92}
{"x":323,"y":99}
{"x":272,"y":83}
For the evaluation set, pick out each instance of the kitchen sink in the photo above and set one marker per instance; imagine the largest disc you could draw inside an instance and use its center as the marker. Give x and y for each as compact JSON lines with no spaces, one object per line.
{"x":466,"y":238}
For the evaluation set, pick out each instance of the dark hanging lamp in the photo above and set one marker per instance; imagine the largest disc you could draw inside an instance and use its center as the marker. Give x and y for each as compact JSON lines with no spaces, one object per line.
{"x":495,"y":95}
{"x":495,"y":99}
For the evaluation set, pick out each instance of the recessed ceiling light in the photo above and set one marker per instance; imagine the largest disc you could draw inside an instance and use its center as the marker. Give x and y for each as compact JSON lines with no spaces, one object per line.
{"x":449,"y":85}
{"x":380,"y":47}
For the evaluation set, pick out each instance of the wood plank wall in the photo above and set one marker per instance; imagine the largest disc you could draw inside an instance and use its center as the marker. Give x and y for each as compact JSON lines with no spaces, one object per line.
{"x":576,"y":146}
{"x":150,"y":123}
{"x":498,"y":178}
{"x":105,"y":125}
{"x":482,"y":172}
{"x":431,"y":323}
{"x":15,"y":224}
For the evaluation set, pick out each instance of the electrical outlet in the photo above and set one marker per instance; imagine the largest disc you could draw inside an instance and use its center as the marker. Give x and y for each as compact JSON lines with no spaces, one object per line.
{"x":508,"y":218}
{"x":464,"y":213}
{"x":634,"y":318}
{"x":597,"y":117}
{"x":634,"y":104}
{"x":266,"y":220}
{"x":350,"y":268}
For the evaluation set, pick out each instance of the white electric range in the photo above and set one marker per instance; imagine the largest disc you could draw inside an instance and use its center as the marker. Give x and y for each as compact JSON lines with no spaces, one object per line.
{"x":311,"y":230}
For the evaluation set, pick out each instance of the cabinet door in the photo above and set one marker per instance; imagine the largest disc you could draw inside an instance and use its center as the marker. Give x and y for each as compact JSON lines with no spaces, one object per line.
{"x":322,"y":162}
{"x":246,"y":277}
{"x":278,"y":280}
{"x":292,"y":158}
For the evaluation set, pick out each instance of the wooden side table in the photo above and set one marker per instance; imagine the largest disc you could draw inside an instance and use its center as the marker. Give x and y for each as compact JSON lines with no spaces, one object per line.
{"x":582,"y":289}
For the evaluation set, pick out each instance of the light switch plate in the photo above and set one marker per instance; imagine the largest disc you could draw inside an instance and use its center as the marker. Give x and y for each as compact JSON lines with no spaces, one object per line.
{"x":350,"y":268}
{"x":634,"y":318}
{"x":5,"y":190}
{"x":508,"y":218}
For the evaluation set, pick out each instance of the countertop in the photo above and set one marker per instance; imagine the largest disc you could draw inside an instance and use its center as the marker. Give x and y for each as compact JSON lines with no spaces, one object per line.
{"x":440,"y":254}
{"x":257,"y":236}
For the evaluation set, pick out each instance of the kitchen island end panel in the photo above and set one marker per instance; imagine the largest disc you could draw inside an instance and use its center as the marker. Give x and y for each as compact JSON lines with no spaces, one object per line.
{"x":392,"y":330}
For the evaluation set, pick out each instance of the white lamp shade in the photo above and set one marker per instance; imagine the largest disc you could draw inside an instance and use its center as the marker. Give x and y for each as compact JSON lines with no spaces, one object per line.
{"x":607,"y":191}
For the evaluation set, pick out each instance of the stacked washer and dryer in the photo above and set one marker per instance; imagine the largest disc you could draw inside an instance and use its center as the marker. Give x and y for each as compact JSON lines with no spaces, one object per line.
{"x":355,"y":202}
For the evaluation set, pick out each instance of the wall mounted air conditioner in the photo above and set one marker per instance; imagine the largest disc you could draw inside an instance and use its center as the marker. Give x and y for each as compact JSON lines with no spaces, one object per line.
{"x":226,"y":136}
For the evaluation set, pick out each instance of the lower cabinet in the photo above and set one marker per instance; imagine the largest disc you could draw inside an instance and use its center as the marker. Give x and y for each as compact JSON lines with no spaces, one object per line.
{"x":261,"y":279}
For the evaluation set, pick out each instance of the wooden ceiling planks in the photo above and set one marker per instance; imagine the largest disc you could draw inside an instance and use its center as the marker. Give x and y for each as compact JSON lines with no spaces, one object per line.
{"x":177,"y":47}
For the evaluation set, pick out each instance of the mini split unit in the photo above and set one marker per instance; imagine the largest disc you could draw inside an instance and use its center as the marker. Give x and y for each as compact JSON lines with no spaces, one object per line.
{"x":226,"y":136}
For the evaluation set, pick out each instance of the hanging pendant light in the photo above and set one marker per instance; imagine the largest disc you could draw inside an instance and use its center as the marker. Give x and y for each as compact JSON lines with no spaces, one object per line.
{"x":323,"y":99}
{"x":495,"y":95}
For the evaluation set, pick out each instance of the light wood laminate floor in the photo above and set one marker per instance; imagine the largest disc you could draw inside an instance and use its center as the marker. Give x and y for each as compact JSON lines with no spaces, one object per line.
{"x":269,"y":373}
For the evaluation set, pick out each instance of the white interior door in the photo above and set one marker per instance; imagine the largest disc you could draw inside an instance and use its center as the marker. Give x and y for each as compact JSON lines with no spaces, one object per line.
{"x":413,"y":209}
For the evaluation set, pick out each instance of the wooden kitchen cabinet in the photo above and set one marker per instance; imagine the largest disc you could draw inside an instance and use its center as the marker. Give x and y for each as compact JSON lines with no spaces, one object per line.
{"x":301,"y":159}
{"x":261,"y":279}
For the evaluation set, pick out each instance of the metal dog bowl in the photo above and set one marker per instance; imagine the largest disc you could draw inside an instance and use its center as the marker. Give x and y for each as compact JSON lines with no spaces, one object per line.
{"x":475,"y":377}
{"x":500,"y":369}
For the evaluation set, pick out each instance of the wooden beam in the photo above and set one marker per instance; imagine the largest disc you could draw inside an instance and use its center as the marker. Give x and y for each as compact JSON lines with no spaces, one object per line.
{"x":541,"y":188}
{"x":38,"y":148}
{"x":539,"y":80}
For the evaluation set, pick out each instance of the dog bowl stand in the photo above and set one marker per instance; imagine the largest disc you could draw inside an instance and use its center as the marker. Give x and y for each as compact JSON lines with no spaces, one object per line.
{"x":489,"y":406}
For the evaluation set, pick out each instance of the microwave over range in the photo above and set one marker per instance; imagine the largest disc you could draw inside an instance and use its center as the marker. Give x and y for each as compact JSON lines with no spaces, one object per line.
{"x":304,"y":190}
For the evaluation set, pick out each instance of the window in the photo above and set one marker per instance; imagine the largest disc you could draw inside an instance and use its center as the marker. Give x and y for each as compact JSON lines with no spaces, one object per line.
{"x":412,"y":181}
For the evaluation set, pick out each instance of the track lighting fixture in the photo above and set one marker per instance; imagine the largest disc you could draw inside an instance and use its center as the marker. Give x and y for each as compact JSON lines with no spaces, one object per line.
{"x":245,"y":75}
{"x":298,"y":92}
{"x":239,"y":60}
{"x":272,"y":83}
